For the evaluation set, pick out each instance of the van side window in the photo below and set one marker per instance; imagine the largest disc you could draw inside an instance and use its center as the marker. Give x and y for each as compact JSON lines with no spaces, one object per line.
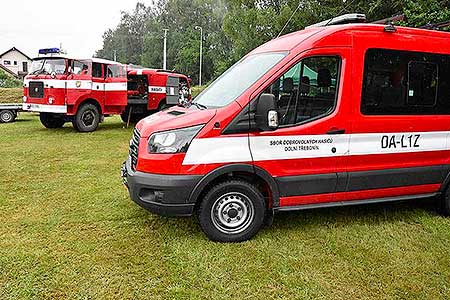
{"x":405,"y":83}
{"x":307,"y":91}
{"x":97,"y":70}
{"x":422,"y":83}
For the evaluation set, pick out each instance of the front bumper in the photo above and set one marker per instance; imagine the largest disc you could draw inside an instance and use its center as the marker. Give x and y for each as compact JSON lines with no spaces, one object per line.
{"x":165,"y":195}
{"x":32,"y":107}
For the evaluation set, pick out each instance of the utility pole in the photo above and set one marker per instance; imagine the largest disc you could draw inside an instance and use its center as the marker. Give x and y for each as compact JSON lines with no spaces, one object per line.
{"x":115,"y":55}
{"x":165,"y":50}
{"x":201,"y":54}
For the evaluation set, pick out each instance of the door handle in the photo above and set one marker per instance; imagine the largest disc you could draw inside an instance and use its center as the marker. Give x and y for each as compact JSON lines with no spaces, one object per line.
{"x":336,"y":131}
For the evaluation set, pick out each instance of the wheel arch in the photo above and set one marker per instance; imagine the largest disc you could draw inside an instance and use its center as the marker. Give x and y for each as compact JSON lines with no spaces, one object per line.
{"x":247,"y":172}
{"x":161,"y":102}
{"x":89,"y":101}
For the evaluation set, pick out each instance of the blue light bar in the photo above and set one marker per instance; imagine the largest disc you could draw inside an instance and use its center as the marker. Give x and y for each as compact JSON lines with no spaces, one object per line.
{"x":50,"y":51}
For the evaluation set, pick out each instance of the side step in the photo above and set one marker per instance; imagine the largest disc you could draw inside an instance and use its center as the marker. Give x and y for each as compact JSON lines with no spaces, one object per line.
{"x":353,"y":202}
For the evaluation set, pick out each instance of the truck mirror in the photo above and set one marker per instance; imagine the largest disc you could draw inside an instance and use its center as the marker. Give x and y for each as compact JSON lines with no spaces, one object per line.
{"x":266,"y":116}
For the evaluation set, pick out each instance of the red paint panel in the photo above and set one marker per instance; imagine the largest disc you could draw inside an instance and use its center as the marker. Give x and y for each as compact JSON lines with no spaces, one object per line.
{"x":360,"y":195}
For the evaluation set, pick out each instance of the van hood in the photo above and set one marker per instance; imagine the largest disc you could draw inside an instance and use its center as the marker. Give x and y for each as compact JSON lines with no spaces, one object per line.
{"x":174,"y":118}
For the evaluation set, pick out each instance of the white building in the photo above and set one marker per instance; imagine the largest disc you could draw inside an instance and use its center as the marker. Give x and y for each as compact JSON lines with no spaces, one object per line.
{"x":16,"y":61}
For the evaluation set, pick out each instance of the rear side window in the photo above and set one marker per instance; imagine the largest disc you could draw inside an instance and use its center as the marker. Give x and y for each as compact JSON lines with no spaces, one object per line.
{"x":405,"y":83}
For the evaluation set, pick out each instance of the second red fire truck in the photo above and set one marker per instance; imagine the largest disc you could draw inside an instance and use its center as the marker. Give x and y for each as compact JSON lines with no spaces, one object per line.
{"x":83,"y":91}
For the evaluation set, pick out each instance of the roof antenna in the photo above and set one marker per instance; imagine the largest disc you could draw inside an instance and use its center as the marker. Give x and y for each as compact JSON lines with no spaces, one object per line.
{"x":288,"y":21}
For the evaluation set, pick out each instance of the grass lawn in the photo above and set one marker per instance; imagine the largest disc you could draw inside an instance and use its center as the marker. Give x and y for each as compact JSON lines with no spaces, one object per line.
{"x":69,"y":231}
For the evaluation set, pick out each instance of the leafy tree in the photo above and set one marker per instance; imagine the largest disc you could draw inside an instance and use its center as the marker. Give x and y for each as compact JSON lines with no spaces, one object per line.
{"x":232,"y":28}
{"x":7,"y":81}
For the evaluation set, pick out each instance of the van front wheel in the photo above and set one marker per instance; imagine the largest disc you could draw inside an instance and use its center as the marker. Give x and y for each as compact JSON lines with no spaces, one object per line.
{"x":232,"y":211}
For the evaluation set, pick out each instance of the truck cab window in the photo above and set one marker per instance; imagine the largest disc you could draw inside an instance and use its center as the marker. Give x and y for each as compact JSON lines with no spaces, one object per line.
{"x":81,"y":67}
{"x":115,"y":71}
{"x":97,"y":70}
{"x":307,"y":91}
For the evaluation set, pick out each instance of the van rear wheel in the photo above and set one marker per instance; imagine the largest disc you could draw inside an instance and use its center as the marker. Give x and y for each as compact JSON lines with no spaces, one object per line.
{"x":232,"y":211}
{"x":51,"y":121}
{"x":87,"y":118}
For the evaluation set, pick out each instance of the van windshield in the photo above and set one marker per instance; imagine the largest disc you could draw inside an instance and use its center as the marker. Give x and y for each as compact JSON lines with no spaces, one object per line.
{"x":236,"y":80}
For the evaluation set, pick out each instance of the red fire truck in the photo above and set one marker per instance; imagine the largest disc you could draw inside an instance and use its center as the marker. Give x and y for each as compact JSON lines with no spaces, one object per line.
{"x":328,"y":116}
{"x":82,"y":91}
{"x":151,"y":90}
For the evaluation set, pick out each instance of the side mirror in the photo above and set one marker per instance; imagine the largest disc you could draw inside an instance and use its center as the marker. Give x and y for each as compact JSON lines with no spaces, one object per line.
{"x":266,"y":116}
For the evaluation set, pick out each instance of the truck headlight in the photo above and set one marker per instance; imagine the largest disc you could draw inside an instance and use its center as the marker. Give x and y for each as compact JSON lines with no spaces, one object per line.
{"x":173,"y":141}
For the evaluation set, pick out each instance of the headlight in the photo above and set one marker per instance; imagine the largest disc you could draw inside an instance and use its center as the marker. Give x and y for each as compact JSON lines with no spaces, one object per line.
{"x":174,"y":141}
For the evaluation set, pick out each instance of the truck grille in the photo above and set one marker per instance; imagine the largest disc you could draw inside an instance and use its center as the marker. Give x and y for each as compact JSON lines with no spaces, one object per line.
{"x":134,"y":148}
{"x":36,"y":89}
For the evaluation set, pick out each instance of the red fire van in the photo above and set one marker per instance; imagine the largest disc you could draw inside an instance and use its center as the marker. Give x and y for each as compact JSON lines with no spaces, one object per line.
{"x":327,"y":116}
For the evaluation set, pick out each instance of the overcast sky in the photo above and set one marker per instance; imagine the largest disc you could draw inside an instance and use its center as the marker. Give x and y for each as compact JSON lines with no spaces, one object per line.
{"x":79,"y":24}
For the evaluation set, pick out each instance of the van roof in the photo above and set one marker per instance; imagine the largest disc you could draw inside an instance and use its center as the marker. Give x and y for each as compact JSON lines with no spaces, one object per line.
{"x":313,"y":34}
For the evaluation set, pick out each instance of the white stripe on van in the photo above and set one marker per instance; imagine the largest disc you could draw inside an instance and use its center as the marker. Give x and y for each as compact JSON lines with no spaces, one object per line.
{"x":236,"y":149}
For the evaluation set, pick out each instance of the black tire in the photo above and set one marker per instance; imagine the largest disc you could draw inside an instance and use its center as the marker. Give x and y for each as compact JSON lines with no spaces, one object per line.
{"x":445,"y":202}
{"x":7,"y":116}
{"x":232,"y":211}
{"x":51,"y":121}
{"x":134,"y":118}
{"x":87,"y":118}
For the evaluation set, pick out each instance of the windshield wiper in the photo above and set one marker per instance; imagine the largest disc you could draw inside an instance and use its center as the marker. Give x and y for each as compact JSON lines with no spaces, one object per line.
{"x":200,"y":106}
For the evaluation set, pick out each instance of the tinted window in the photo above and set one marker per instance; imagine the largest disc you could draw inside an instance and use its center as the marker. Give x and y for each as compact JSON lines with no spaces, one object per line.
{"x":307,"y":91}
{"x":405,"y":83}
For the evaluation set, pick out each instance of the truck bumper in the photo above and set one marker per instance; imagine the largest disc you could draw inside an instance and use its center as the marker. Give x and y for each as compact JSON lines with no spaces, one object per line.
{"x":57,"y":109}
{"x":165,"y":195}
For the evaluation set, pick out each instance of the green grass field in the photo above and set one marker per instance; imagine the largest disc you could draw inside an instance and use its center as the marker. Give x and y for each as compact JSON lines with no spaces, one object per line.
{"x":69,"y":231}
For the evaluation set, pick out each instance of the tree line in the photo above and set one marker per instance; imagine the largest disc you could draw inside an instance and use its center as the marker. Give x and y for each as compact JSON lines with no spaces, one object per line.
{"x":232,"y":28}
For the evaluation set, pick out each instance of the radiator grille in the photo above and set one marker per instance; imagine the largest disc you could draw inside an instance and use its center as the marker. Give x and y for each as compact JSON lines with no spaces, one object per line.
{"x":134,"y":148}
{"x":36,"y":89}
